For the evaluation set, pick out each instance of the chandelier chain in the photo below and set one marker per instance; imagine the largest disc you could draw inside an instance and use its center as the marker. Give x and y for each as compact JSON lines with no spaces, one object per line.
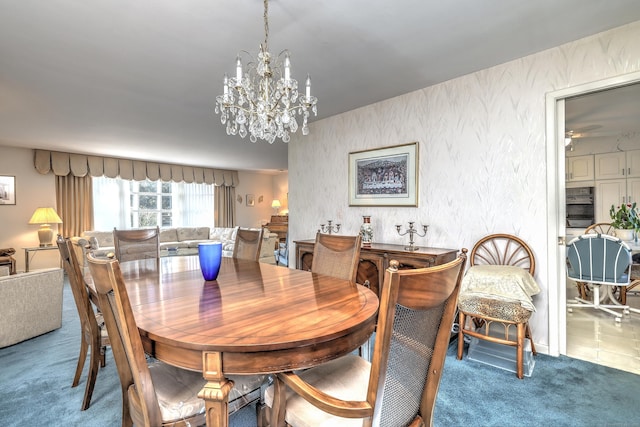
{"x":266,"y":25}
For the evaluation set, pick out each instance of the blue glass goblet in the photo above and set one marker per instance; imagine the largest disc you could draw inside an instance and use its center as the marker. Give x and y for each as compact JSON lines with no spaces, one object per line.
{"x":210,"y":255}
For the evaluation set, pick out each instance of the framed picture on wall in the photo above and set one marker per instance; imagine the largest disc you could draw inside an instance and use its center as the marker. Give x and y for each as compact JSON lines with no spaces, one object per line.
{"x":251,"y":200}
{"x":384,"y":176}
{"x":7,"y":190}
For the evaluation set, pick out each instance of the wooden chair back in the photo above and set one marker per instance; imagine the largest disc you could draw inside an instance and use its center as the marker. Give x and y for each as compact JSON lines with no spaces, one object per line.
{"x":135,"y":377}
{"x":417,"y":310}
{"x":142,"y":243}
{"x":600,"y":228}
{"x":336,"y":255}
{"x":140,"y":405}
{"x":92,"y":338}
{"x":503,"y":249}
{"x":248,"y":244}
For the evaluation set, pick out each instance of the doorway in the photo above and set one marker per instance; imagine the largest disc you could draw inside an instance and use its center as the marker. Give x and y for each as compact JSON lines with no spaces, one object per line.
{"x":556,"y":230}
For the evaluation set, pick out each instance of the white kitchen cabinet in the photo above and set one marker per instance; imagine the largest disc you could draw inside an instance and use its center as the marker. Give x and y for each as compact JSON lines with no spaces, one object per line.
{"x":633,"y":165}
{"x":621,"y":164}
{"x":610,"y":165}
{"x":609,"y":192}
{"x":614,"y":192}
{"x":633,"y":190}
{"x":580,"y":168}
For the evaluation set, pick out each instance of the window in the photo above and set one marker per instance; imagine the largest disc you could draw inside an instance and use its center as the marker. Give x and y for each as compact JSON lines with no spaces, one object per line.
{"x":151,"y":203}
{"x":137,"y":204}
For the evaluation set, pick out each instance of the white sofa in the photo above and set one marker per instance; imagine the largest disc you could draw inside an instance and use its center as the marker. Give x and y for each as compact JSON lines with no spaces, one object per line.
{"x":32,"y":304}
{"x":174,"y":241}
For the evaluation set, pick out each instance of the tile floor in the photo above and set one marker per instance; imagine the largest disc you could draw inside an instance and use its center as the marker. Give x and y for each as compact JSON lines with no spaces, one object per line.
{"x":593,"y":335}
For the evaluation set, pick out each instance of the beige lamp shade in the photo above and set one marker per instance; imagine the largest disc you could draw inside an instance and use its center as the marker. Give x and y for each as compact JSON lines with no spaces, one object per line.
{"x":45,"y":217}
{"x":276,"y":205}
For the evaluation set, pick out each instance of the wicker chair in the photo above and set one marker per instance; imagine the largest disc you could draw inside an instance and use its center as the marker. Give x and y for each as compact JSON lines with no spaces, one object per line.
{"x":142,"y":243}
{"x":94,"y":339}
{"x":400,"y":385}
{"x":248,"y":244}
{"x":336,"y":256}
{"x":482,"y":312}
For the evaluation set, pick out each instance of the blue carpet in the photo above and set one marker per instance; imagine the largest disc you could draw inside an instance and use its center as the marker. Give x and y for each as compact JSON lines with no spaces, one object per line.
{"x":36,"y":375}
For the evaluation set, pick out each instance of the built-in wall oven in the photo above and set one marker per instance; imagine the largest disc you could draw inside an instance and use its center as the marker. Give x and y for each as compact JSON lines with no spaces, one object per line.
{"x":580,"y":209}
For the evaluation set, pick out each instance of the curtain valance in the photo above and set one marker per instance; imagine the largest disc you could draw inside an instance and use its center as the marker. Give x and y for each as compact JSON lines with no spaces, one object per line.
{"x":63,"y":164}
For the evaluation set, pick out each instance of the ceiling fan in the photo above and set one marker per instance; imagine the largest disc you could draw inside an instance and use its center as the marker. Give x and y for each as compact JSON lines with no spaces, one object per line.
{"x":573,"y":134}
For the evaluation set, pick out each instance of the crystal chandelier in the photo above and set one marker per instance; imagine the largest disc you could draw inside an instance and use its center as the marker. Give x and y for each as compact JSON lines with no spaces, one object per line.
{"x":263,"y":101}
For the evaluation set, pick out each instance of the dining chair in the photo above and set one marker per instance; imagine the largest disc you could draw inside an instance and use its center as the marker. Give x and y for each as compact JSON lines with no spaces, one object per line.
{"x":597,"y":228}
{"x":154,"y":393}
{"x":93,"y":335}
{"x":282,"y":253}
{"x":140,"y":243}
{"x":634,"y":280}
{"x":599,"y":260}
{"x":483,"y":310}
{"x":399,"y":386}
{"x":248,"y":244}
{"x":336,"y":255}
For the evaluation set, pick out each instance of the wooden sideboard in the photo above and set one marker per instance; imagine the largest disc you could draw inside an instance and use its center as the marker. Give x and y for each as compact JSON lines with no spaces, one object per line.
{"x":375,"y":260}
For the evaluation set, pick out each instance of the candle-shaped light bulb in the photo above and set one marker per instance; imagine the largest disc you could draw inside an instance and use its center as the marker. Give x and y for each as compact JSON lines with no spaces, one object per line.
{"x":287,"y":68}
{"x":226,"y":87}
{"x":308,"y":92}
{"x":238,"y":70}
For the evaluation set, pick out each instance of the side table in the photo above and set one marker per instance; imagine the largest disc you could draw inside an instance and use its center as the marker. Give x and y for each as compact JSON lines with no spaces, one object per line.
{"x":35,"y":249}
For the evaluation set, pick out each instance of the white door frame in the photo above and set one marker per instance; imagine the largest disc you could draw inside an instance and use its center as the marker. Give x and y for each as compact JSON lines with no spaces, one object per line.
{"x":556,"y":268}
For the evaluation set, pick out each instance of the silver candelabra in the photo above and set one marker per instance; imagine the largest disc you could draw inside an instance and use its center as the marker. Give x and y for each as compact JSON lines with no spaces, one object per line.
{"x":329,"y":228}
{"x":411,"y":231}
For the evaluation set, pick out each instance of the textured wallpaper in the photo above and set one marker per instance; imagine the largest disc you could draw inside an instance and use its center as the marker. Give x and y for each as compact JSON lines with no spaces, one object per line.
{"x":482,"y":158}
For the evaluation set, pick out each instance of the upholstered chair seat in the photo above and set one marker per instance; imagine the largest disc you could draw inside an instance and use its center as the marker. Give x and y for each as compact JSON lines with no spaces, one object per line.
{"x":346,"y":378}
{"x":495,"y":309}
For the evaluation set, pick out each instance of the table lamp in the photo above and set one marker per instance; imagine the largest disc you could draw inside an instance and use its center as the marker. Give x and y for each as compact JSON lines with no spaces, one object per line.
{"x":276,"y":205}
{"x":45,"y":217}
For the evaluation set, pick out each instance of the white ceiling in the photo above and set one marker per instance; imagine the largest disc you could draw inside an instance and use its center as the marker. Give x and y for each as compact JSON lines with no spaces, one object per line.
{"x":608,"y":113}
{"x":139,"y":77}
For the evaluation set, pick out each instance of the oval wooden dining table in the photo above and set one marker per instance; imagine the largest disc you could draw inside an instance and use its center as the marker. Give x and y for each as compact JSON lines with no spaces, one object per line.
{"x":255,"y":318}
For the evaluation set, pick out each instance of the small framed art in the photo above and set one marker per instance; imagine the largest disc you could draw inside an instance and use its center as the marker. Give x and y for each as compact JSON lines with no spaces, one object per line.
{"x":7,"y":190}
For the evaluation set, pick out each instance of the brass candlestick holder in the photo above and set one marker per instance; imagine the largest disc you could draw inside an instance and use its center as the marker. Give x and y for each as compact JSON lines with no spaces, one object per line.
{"x":329,"y":228}
{"x":411,"y":231}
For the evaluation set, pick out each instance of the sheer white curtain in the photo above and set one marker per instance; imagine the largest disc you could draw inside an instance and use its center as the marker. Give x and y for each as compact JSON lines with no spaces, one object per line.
{"x":111,"y":207}
{"x":192,"y":204}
